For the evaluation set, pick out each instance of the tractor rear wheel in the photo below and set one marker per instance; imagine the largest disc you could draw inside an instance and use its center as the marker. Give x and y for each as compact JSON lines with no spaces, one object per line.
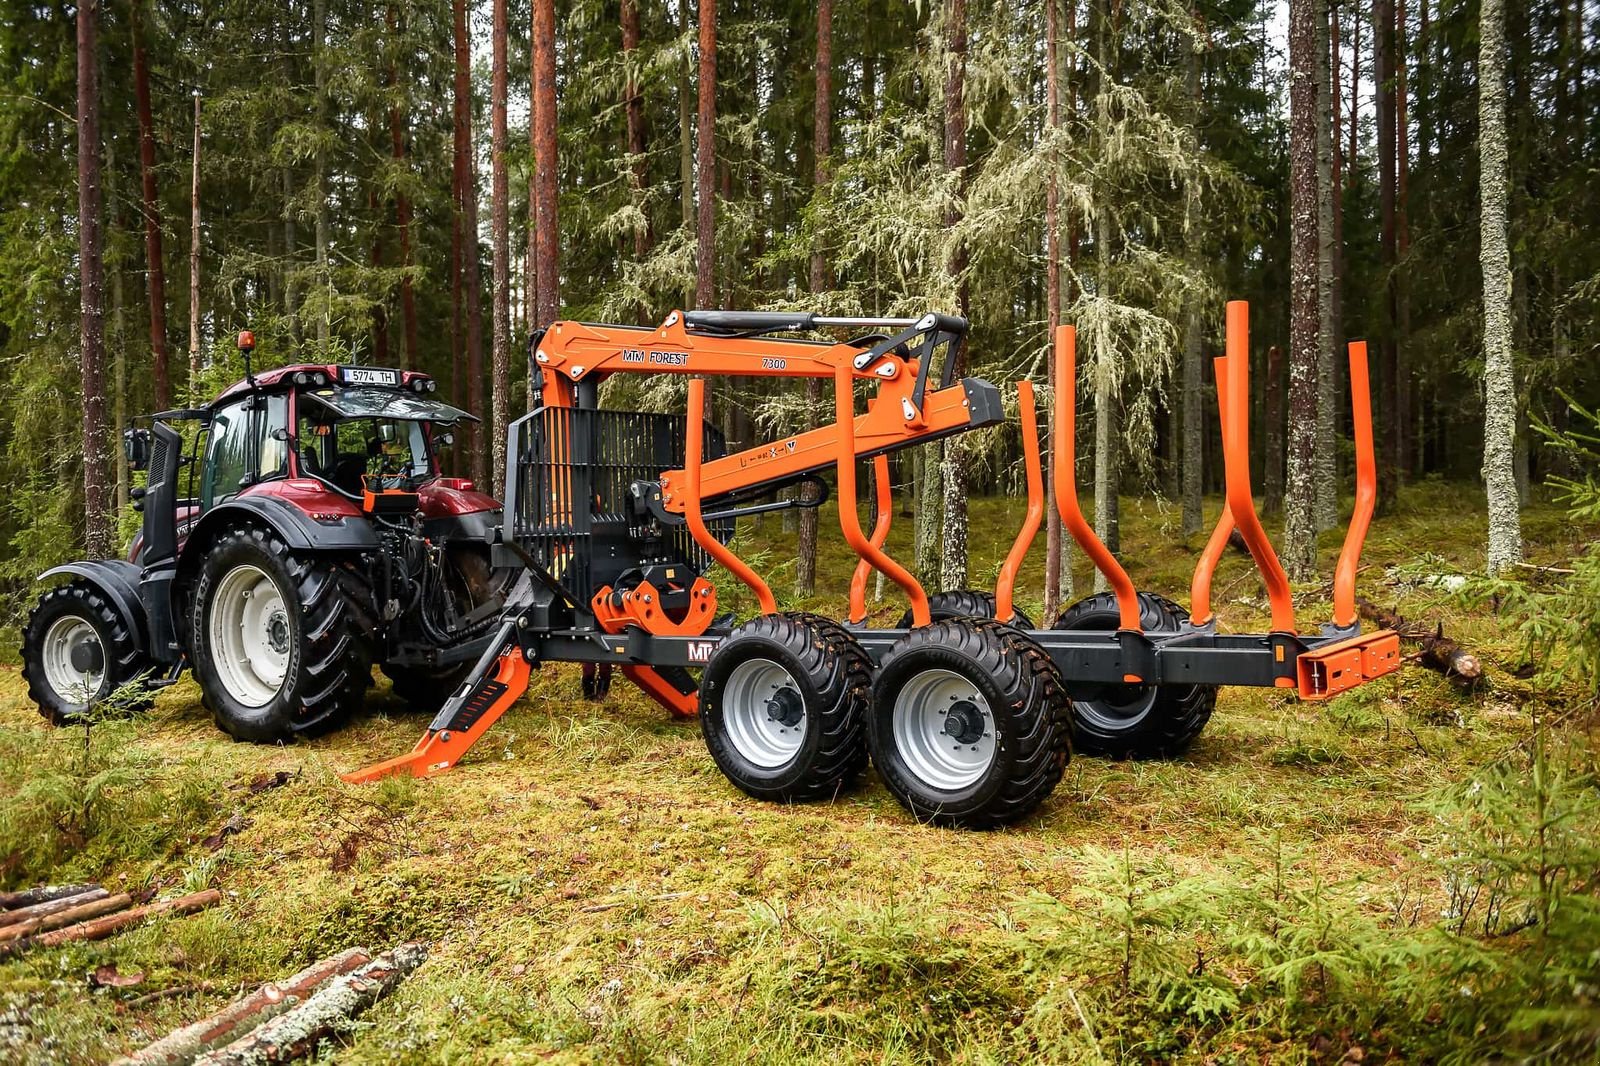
{"x":77,"y":651}
{"x":965,"y":603}
{"x":971,"y":726}
{"x":1135,"y":721}
{"x":281,"y":643}
{"x":783,"y":701}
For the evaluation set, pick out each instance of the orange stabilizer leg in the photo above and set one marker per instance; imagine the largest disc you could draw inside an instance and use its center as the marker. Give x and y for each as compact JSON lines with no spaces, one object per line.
{"x":694,"y":449}
{"x":1006,"y":585}
{"x":1235,"y":408}
{"x":849,"y":521}
{"x":1344,"y":576}
{"x":658,"y":688}
{"x":884,"y":495}
{"x":1066,"y":482}
{"x":1200,"y":587}
{"x":442,"y":748}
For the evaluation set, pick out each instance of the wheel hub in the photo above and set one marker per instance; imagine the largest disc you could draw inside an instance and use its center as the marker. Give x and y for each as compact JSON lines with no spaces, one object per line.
{"x":784,"y":707}
{"x":278,"y":633}
{"x":86,"y":656}
{"x":964,"y":723}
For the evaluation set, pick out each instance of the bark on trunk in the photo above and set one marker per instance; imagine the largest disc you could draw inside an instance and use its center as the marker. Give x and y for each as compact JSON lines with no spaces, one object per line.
{"x":1272,"y":414}
{"x":194,"y":261}
{"x":1052,"y":244}
{"x":634,"y":106}
{"x":45,"y":908}
{"x":1390,"y":447}
{"x":319,"y":63}
{"x":500,"y":245}
{"x":28,"y":897}
{"x":297,"y":1032}
{"x":180,"y":1047}
{"x":1299,"y":534}
{"x":1499,"y":372}
{"x":1325,"y":464}
{"x":412,"y":358}
{"x":547,"y":232}
{"x":97,"y":525}
{"x":705,"y":295}
{"x":100,"y":928}
{"x":685,"y":130}
{"x":156,"y":285}
{"x":1192,"y":456}
{"x":953,"y":561}
{"x":82,"y":910}
{"x":461,"y":172}
{"x":805,"y":574}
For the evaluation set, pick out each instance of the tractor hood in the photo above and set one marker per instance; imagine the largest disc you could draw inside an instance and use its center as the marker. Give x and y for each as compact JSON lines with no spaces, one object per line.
{"x":364,"y":401}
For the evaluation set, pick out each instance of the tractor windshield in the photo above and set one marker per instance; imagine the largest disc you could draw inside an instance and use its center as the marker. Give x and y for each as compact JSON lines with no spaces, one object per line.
{"x":365,"y":401}
{"x":346,"y":434}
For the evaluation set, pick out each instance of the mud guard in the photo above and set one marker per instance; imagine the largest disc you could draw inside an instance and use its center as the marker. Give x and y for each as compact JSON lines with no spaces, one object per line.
{"x":118,"y":580}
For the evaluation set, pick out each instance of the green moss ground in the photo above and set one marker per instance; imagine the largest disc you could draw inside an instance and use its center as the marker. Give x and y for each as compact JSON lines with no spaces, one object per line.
{"x":596,"y":892}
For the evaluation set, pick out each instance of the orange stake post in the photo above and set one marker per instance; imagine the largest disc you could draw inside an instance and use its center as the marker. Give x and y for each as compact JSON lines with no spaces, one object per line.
{"x":849,"y":521}
{"x":694,"y":448}
{"x":1236,"y":463}
{"x":1200,"y":587}
{"x":884,"y":494}
{"x":1344,"y":576}
{"x":1066,"y":458}
{"x":1006,"y":585}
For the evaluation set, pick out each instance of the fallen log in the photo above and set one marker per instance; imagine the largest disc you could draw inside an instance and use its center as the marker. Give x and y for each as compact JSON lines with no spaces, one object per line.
{"x":42,"y":894}
{"x":298,"y":1031}
{"x":49,"y":907}
{"x":23,"y":931}
{"x":1437,"y":651}
{"x":101,"y":928}
{"x":180,"y":1047}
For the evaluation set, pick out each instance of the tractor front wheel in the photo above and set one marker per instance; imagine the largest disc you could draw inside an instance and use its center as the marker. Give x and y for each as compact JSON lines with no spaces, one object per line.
{"x":970,"y":724}
{"x":783,"y":701}
{"x":282,"y":643}
{"x":77,"y":651}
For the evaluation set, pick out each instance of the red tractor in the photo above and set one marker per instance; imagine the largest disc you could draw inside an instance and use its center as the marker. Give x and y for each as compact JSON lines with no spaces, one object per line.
{"x":297,"y":530}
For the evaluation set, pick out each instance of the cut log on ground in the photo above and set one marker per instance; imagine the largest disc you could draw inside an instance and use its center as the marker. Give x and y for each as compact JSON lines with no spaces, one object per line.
{"x":297,"y":1032}
{"x":49,"y":907}
{"x":94,"y":908}
{"x":1437,"y":651}
{"x":242,"y":1015}
{"x":43,"y":894}
{"x":100,"y":928}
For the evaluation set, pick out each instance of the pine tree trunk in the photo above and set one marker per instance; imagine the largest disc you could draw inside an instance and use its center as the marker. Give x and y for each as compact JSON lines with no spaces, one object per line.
{"x":805,"y":574}
{"x":705,"y":295}
{"x":119,"y":339}
{"x":1325,"y":460}
{"x":1273,"y":446}
{"x":470,"y":314}
{"x":930,"y":505}
{"x":1193,"y":396}
{"x":151,"y":201}
{"x":460,"y":178}
{"x":1107,"y":397}
{"x":547,"y":231}
{"x":1390,"y":449}
{"x":474,"y":309}
{"x":319,"y":62}
{"x":194,"y":260}
{"x":1299,"y":533}
{"x":685,"y":131}
{"x":1052,"y":244}
{"x":953,"y":546}
{"x":1337,"y":182}
{"x":1405,"y":396}
{"x":1499,"y":372}
{"x":291,"y":279}
{"x":500,"y":250}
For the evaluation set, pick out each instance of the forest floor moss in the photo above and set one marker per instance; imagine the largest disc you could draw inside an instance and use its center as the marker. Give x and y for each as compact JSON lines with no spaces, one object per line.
{"x":595,"y":891}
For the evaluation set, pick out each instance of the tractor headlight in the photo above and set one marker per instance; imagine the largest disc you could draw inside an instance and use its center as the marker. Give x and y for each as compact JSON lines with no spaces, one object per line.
{"x":301,"y":378}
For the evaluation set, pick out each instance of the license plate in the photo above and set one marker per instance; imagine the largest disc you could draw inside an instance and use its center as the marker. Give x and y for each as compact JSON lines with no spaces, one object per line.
{"x":367,"y":375}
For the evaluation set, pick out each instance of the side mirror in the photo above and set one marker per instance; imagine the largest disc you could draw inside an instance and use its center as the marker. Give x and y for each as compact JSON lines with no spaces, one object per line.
{"x":136,"y":447}
{"x":444,"y":438}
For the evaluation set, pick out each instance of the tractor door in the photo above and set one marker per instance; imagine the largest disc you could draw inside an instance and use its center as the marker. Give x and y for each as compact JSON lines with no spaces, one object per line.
{"x":247,"y":444}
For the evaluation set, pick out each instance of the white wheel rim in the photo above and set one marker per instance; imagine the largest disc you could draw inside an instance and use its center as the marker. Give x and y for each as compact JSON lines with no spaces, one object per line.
{"x":250,"y":635}
{"x":944,"y":730}
{"x":764,"y":713}
{"x":74,"y":659}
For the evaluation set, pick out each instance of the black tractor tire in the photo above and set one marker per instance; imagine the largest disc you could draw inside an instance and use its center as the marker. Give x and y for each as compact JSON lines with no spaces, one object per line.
{"x":112,"y":651}
{"x":1004,"y":694}
{"x":805,"y":741}
{"x":327,"y":638}
{"x":965,"y":603}
{"x":1135,"y":721}
{"x":423,"y":689}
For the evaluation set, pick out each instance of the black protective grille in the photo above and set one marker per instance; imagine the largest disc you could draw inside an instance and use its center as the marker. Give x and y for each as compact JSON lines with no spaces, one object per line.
{"x":572,"y":509}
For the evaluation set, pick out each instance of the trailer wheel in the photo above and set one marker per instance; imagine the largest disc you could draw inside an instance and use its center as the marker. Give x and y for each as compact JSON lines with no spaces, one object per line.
{"x":783,"y":702}
{"x":970,"y":724}
{"x":281,"y":643}
{"x":1135,"y":721}
{"x":77,"y":651}
{"x":965,"y":603}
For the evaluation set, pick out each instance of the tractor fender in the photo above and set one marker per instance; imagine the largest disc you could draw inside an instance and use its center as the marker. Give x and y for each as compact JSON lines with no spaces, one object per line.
{"x":118,"y":580}
{"x":296,"y":528}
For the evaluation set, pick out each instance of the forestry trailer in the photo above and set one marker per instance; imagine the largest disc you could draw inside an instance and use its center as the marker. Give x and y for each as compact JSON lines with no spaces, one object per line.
{"x":601,"y":553}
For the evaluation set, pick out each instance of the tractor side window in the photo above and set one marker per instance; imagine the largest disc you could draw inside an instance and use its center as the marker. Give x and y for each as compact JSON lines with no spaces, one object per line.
{"x":228,"y":454}
{"x":274,"y":443}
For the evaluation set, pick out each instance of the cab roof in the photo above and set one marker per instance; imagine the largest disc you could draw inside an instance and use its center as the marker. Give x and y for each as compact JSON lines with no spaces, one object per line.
{"x":284,"y":375}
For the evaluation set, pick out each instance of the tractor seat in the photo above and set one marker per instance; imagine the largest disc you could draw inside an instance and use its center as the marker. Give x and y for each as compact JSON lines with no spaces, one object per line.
{"x":347,"y":471}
